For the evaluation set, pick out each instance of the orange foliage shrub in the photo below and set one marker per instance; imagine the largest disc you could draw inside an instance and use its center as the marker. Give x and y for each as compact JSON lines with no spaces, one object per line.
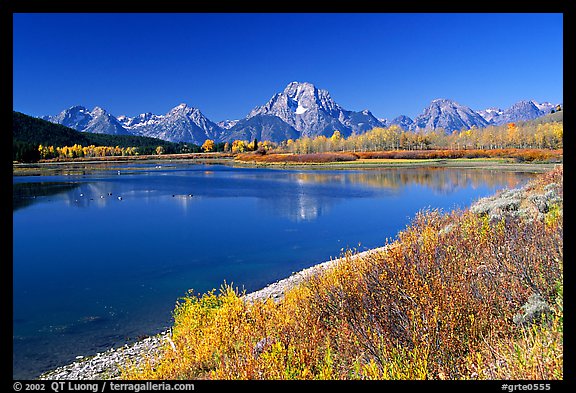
{"x":298,"y":158}
{"x":518,"y":154}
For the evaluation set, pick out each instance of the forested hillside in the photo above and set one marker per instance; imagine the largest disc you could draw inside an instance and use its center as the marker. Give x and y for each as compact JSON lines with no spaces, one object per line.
{"x":28,"y":133}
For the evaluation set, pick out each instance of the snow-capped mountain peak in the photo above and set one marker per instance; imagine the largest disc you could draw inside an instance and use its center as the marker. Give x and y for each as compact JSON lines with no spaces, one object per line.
{"x":180,"y":107}
{"x":544,"y":106}
{"x":97,"y":111}
{"x":295,"y":89}
{"x":402,"y":121}
{"x":520,"y":111}
{"x":490,"y":114}
{"x":182,"y":123}
{"x":442,"y":101}
{"x":312,"y":111}
{"x":143,"y":118}
{"x":96,"y":121}
{"x":448,"y":115}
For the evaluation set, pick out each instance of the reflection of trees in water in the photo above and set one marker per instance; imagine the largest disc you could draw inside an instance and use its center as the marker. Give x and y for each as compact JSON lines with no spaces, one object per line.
{"x":440,"y":180}
{"x":306,"y":204}
{"x":25,"y":194}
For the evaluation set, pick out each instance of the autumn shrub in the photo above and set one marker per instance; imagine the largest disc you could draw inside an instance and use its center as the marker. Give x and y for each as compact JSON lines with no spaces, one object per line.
{"x":436,"y":293}
{"x":298,"y":158}
{"x":551,"y":179}
{"x":535,"y":351}
{"x":520,"y":155}
{"x":220,"y":336}
{"x":528,"y":155}
{"x":439,"y":302}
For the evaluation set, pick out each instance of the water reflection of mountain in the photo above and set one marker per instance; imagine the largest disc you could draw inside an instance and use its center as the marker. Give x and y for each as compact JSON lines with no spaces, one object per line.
{"x":301,"y":206}
{"x":316,"y":192}
{"x":305,"y":196}
{"x":25,"y":194}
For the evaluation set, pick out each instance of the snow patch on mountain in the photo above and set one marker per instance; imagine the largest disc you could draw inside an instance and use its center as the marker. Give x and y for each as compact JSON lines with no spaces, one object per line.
{"x":227,"y":124}
{"x":300,"y":110}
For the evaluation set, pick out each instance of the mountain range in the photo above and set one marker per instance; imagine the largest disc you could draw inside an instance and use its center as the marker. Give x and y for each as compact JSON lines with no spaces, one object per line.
{"x":301,"y":109}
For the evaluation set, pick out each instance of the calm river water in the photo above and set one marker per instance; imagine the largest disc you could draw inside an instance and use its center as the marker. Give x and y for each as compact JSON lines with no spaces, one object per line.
{"x":101,"y":257}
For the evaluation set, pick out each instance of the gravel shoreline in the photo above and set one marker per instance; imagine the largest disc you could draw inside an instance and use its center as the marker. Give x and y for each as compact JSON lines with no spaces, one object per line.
{"x":108,"y":365}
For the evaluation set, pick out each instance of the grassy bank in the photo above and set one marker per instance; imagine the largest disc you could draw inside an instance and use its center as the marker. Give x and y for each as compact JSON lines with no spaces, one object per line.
{"x":452,"y":297}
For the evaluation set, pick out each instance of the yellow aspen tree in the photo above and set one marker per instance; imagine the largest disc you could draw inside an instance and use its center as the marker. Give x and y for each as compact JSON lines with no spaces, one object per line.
{"x":208,"y":145}
{"x":238,"y":146}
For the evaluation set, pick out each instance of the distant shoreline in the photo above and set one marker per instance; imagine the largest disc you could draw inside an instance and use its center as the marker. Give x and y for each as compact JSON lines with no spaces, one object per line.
{"x":45,"y":167}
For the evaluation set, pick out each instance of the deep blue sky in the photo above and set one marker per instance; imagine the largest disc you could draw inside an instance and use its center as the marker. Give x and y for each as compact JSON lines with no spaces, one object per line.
{"x":226,"y":64}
